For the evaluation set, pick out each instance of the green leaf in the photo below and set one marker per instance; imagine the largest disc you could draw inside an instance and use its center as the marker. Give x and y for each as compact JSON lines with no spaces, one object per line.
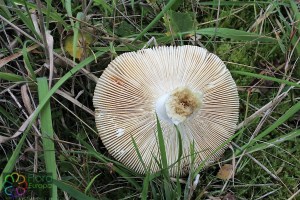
{"x":124,"y":29}
{"x":177,"y":22}
{"x":75,"y":193}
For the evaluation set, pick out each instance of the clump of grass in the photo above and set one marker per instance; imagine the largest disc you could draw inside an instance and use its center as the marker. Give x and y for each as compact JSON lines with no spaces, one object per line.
{"x":258,"y":40}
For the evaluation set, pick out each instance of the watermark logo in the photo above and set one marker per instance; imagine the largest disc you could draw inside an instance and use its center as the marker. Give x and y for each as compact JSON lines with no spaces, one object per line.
{"x":15,"y":185}
{"x":23,"y":184}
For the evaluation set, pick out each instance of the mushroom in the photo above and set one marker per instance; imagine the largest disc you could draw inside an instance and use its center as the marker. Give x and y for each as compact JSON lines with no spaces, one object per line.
{"x":184,"y":86}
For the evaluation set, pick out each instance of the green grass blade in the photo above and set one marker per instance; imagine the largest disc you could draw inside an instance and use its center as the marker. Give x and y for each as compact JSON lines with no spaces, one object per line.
{"x":72,"y":191}
{"x":178,"y":186}
{"x":293,"y":110}
{"x":164,"y":162}
{"x":88,"y":187}
{"x":146,"y":185}
{"x":116,"y":167}
{"x":296,"y":12}
{"x":156,"y":19}
{"x":136,"y":148}
{"x":288,"y":27}
{"x":9,"y":116}
{"x":179,"y":144}
{"x":235,"y":34}
{"x":192,"y":174}
{"x":75,"y":36}
{"x":68,"y":4}
{"x":13,"y":159}
{"x":162,"y":149}
{"x":266,"y":78}
{"x":48,"y":11}
{"x":153,"y":190}
{"x":47,"y":134}
{"x":167,"y":189}
{"x":237,"y":3}
{"x":11,"y":77}
{"x":4,"y":10}
{"x":27,"y":62}
{"x":295,"y":9}
{"x":26,"y":19}
{"x":273,"y":142}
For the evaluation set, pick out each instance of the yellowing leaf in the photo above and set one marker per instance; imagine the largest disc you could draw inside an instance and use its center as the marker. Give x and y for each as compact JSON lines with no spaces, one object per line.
{"x":83,"y":42}
{"x":225,"y":173}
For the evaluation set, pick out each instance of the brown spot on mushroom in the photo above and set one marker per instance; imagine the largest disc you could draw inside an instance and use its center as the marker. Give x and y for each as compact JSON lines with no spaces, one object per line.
{"x":117,"y":80}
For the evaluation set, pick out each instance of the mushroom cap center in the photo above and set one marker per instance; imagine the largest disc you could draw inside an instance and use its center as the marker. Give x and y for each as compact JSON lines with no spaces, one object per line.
{"x":177,"y":106}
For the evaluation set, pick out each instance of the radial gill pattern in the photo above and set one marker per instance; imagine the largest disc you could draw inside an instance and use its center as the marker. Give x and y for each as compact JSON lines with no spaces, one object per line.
{"x":127,"y":92}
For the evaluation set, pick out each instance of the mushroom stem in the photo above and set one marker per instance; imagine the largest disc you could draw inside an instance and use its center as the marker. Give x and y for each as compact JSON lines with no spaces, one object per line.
{"x":177,"y":106}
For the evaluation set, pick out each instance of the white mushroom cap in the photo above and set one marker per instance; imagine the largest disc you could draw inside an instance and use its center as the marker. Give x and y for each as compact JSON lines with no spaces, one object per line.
{"x":186,"y":86}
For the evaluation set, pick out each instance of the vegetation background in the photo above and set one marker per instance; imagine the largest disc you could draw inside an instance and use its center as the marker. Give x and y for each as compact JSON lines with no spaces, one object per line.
{"x":52,"y":53}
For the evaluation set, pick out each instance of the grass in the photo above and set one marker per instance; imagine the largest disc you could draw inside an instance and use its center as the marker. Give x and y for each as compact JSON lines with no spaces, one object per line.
{"x":258,"y":41}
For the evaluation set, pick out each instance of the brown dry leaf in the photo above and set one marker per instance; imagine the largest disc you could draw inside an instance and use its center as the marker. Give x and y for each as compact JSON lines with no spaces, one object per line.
{"x":7,"y":59}
{"x":26,"y":99}
{"x":225,"y":173}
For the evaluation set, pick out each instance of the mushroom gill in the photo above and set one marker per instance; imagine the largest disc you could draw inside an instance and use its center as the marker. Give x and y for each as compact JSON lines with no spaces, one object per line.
{"x":185,"y":86}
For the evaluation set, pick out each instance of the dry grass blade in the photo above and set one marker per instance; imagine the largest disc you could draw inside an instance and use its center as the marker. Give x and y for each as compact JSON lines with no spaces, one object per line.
{"x":26,"y":99}
{"x":75,"y":101}
{"x":19,"y":132}
{"x":12,"y":57}
{"x":50,"y":42}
